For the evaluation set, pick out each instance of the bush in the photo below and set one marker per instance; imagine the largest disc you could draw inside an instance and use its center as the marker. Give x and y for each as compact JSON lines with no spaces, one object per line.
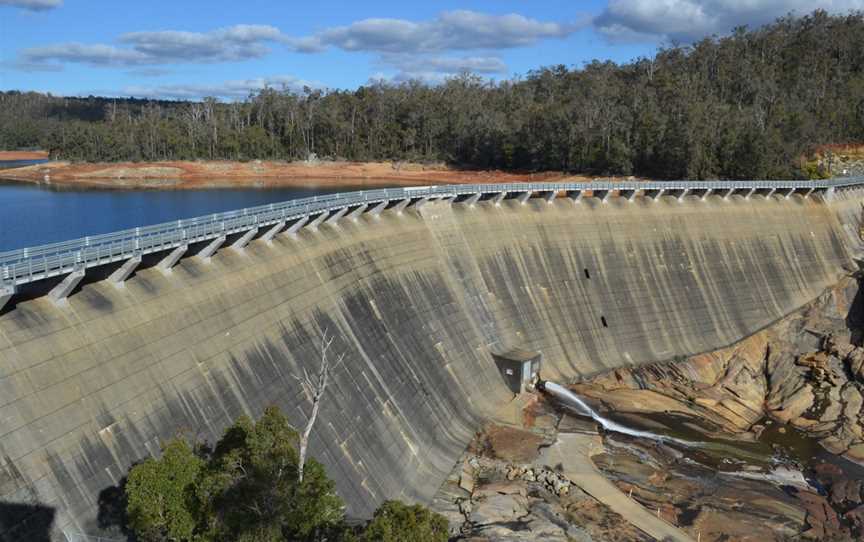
{"x":246,"y":488}
{"x":395,"y":521}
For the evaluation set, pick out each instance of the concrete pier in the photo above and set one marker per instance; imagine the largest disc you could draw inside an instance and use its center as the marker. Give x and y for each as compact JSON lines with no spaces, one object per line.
{"x":59,"y":293}
{"x":208,"y":251}
{"x":399,"y":207}
{"x":472,"y":200}
{"x":376,"y":210}
{"x":118,"y":277}
{"x":355,"y":214}
{"x":272,"y":232}
{"x":297,"y":225}
{"x":243,"y":240}
{"x":6,"y":293}
{"x":313,"y":225}
{"x":171,"y":259}
{"x":337,"y":216}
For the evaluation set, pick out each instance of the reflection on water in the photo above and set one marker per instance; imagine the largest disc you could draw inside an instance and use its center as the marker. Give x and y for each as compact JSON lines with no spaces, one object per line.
{"x":34,"y":215}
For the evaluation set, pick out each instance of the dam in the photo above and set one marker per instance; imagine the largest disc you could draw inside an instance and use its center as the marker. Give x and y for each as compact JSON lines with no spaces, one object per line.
{"x":110,"y":345}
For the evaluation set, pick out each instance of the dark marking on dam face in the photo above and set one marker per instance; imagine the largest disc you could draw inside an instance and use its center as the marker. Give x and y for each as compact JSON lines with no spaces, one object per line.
{"x":31,"y":522}
{"x":416,"y":302}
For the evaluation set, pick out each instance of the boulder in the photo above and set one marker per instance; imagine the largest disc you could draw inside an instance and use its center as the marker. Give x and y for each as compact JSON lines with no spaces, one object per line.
{"x":795,"y":405}
{"x":499,"y":509}
{"x":856,"y":452}
{"x":466,"y":477}
{"x":852,"y":399}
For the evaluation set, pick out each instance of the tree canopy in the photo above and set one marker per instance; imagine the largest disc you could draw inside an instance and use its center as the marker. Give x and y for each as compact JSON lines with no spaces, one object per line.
{"x":395,"y":521}
{"x":745,"y":105}
{"x":246,"y":488}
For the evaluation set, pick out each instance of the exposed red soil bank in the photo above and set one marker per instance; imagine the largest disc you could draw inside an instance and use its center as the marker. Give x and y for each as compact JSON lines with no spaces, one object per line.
{"x":23,"y":155}
{"x":207,"y":174}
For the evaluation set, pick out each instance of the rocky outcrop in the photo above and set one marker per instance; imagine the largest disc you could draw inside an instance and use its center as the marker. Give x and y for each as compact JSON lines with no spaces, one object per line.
{"x":490,"y":498}
{"x":800,"y":379}
{"x":803,"y":371}
{"x":710,"y":506}
{"x":726,"y":388}
{"x":515,"y":502}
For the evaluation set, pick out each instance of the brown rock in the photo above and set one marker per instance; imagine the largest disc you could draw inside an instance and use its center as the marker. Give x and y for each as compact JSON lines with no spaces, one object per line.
{"x":499,"y":508}
{"x":795,"y":405}
{"x":853,"y":400}
{"x":821,"y":518}
{"x":466,"y":477}
{"x":856,"y":452}
{"x":856,"y":518}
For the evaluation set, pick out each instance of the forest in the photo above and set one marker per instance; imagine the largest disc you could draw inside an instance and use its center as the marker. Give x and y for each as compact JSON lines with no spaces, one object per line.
{"x":749,"y":104}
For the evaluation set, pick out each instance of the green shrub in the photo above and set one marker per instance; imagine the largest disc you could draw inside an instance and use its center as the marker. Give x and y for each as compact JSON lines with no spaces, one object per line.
{"x":395,"y":521}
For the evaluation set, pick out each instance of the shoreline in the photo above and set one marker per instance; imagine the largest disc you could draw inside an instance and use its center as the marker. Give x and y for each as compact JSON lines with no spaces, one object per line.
{"x":23,"y":155}
{"x":182,"y":175}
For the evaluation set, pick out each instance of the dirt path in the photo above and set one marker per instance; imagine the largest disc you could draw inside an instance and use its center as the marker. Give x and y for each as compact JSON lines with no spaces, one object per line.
{"x":573,"y":452}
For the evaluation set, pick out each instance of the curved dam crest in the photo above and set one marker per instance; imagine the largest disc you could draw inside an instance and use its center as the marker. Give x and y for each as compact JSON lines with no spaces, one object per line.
{"x":416,"y":301}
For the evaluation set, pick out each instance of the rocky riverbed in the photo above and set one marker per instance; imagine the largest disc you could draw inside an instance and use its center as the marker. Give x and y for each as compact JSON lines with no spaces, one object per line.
{"x":759,"y":441}
{"x":502,"y":492}
{"x":776,"y":426}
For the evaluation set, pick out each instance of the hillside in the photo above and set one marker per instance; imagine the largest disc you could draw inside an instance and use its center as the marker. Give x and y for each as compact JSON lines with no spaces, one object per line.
{"x":746,"y":105}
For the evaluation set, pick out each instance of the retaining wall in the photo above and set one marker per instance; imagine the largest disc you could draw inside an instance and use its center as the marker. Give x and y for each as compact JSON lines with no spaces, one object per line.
{"x":416,"y":302}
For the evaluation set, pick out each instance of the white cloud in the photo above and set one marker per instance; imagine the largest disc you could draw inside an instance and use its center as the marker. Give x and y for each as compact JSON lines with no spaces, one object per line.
{"x":451,"y":30}
{"x":96,"y":55}
{"x":240,"y":42}
{"x":33,"y":5}
{"x":690,"y":20}
{"x":229,"y":90}
{"x":408,"y":64}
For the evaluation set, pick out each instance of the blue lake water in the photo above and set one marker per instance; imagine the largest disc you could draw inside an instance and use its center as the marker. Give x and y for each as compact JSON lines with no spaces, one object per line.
{"x":33,"y":215}
{"x":8,"y":164}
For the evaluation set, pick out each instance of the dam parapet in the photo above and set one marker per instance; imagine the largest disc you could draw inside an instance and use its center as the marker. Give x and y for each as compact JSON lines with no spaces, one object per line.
{"x":419,"y":292}
{"x":71,"y":259}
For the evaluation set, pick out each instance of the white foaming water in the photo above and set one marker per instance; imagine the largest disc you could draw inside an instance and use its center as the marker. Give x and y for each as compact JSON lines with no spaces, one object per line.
{"x":574,"y":401}
{"x":781,"y":476}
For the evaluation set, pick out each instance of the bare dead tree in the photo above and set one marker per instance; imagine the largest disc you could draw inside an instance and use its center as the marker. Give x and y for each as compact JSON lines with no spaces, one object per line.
{"x":314,"y":390}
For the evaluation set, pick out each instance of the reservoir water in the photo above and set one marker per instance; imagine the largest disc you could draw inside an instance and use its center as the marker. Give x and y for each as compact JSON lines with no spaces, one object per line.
{"x":9,"y":164}
{"x":33,"y":215}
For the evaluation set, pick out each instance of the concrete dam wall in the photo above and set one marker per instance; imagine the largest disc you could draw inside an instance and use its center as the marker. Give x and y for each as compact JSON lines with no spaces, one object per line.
{"x":416,"y":301}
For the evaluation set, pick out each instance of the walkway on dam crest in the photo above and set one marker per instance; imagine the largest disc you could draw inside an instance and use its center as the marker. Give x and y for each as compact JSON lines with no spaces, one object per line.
{"x":172,"y":241}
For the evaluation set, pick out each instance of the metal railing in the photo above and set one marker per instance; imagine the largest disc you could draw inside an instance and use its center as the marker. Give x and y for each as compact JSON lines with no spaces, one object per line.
{"x":26,"y":265}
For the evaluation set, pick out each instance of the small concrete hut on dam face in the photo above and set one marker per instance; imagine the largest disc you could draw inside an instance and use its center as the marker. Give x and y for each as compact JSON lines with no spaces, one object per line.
{"x":520,"y":368}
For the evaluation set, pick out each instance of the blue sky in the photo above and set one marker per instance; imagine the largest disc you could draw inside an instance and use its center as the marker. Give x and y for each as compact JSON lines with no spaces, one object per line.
{"x":191,"y":48}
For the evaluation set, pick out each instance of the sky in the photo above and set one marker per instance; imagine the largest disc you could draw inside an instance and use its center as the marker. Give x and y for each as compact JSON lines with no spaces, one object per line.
{"x":187,"y":49}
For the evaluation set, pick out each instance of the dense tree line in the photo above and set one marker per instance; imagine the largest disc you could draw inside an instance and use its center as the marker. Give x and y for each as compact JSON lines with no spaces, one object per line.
{"x":746,"y":105}
{"x":247,"y":488}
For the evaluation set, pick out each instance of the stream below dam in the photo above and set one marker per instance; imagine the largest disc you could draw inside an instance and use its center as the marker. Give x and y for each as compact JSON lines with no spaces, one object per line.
{"x":780,"y":454}
{"x":676,"y":464}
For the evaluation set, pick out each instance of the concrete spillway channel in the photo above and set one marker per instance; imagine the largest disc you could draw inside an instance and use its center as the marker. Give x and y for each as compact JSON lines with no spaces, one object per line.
{"x":99,"y":363}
